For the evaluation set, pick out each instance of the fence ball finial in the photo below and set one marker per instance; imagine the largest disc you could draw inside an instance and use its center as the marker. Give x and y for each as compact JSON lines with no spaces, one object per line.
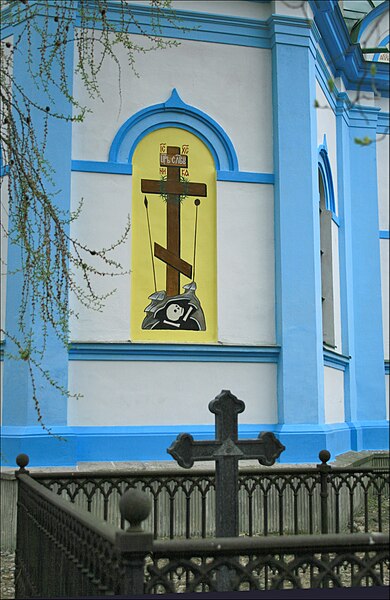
{"x":22,"y":461}
{"x":135,"y":507}
{"x":324,"y":456}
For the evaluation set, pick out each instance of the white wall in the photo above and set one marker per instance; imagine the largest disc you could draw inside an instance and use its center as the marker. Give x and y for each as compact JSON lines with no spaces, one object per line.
{"x":107,"y":204}
{"x":167,"y":393}
{"x":232,"y":84}
{"x":385,"y":266}
{"x":245,"y":267}
{"x":246,"y":284}
{"x":251,"y":10}
{"x":333,"y":395}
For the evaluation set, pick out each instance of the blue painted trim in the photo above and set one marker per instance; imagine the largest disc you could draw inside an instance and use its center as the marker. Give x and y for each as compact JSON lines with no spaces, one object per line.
{"x":371,"y":16}
{"x":172,"y":352}
{"x":387,"y":367}
{"x":94,"y":166}
{"x":18,"y":404}
{"x":297,"y":299}
{"x":174,"y":113}
{"x":345,"y":59}
{"x":102,"y":444}
{"x":381,"y":44}
{"x":326,"y":172}
{"x":197,"y":26}
{"x":384,"y":235}
{"x":246,"y":177}
{"x":2,"y":345}
{"x":336,"y":361}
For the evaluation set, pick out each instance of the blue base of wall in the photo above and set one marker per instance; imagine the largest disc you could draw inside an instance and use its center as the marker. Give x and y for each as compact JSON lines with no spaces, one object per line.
{"x":95,"y":444}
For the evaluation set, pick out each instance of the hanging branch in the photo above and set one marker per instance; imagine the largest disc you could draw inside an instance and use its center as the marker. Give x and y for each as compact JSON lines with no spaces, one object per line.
{"x":53,"y":261}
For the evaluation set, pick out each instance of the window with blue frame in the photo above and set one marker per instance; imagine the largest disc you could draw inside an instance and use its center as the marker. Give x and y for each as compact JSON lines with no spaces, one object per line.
{"x":326,"y":208}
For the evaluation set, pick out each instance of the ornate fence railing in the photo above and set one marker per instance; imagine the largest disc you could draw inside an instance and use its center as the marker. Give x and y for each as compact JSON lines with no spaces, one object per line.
{"x":64,"y":551}
{"x":272,"y":500}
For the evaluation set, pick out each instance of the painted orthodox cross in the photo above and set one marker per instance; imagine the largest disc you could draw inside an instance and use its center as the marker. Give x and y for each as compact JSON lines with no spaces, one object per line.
{"x":226,"y":450}
{"x":173,"y":188}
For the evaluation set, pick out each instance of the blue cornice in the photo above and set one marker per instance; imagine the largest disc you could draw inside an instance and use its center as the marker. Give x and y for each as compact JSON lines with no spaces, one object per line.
{"x":344,"y":58}
{"x":172,"y":352}
{"x":336,"y":361}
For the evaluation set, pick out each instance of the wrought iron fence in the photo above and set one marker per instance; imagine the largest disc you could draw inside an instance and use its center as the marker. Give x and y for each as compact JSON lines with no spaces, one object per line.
{"x":272,"y":500}
{"x":64,"y":551}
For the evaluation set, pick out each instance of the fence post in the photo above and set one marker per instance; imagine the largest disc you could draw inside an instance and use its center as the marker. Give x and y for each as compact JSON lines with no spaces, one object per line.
{"x":134,"y":544}
{"x":324,"y":469}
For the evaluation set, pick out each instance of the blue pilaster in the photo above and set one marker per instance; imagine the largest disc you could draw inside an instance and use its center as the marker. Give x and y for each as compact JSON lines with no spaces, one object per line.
{"x":346,"y":266}
{"x":18,"y":405}
{"x":368,"y":347}
{"x":298,"y":278}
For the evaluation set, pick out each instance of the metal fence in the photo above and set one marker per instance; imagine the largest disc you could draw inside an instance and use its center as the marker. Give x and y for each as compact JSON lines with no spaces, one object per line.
{"x":64,"y":551}
{"x":272,"y":500}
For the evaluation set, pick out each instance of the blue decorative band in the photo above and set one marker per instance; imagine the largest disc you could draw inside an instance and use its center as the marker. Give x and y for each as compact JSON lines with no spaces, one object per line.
{"x":384,"y":234}
{"x":387,"y":367}
{"x":103,"y":444}
{"x":93,"y":166}
{"x":336,"y":361}
{"x":173,"y":352}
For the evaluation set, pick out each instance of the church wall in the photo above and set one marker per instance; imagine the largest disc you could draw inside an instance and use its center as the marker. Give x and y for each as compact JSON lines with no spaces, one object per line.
{"x":245,"y":268}
{"x":251,"y":10}
{"x":334,"y":395}
{"x":127,"y":393}
{"x":107,"y":204}
{"x":217,"y":90}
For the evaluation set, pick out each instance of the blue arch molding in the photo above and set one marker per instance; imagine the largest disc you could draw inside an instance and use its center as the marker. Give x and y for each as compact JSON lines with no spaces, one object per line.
{"x":382,"y":44}
{"x":326,"y":172}
{"x":371,"y":16}
{"x":173,"y":113}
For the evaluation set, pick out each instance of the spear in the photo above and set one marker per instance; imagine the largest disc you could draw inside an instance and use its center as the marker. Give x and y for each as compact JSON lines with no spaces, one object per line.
{"x":196,"y":202}
{"x":150,"y":242}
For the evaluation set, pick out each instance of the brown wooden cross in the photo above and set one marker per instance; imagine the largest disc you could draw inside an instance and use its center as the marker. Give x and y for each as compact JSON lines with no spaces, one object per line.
{"x":172,"y":188}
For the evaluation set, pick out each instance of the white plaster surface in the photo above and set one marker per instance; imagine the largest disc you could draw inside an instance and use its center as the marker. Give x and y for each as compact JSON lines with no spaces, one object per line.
{"x":336,"y":287}
{"x":245,"y":263}
{"x":385,"y":267}
{"x":382,"y":149}
{"x":326,"y":124}
{"x":333,"y":395}
{"x":219,"y":79}
{"x":294,"y":8}
{"x":251,"y":10}
{"x":107,"y":204}
{"x":376,"y":31}
{"x":167,"y":393}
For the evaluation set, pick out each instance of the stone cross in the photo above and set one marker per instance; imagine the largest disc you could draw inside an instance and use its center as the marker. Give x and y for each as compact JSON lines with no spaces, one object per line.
{"x":173,"y":188}
{"x":226,"y":450}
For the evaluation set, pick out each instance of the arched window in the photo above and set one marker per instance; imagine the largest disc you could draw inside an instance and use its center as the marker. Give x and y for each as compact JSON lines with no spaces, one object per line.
{"x":326,"y":208}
